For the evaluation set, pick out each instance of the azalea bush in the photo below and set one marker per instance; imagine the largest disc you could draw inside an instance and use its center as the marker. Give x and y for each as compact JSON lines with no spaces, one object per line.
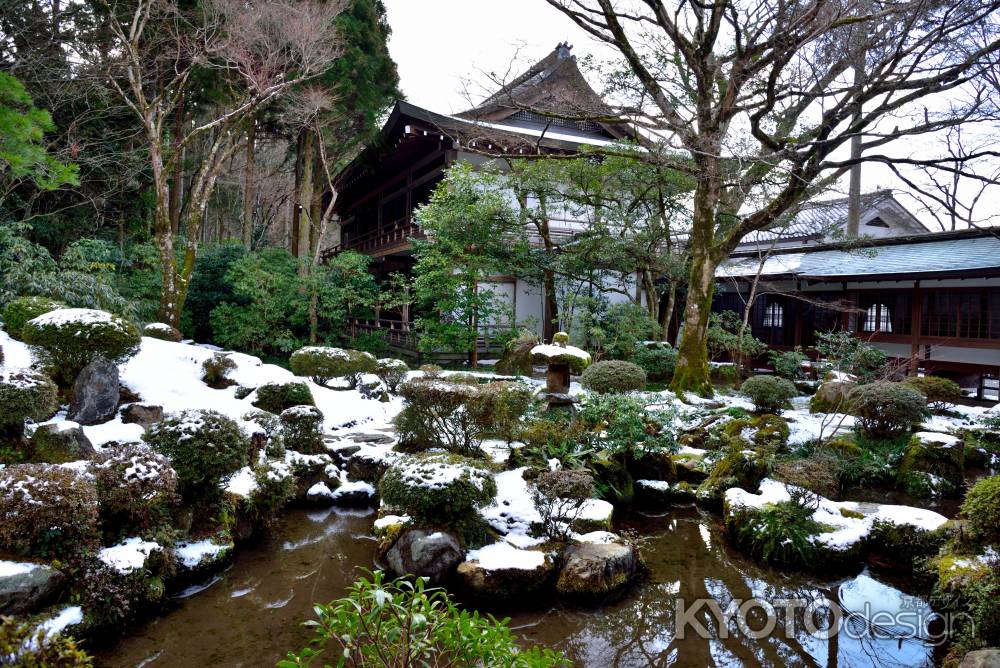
{"x":886,"y":409}
{"x":769,"y":394}
{"x":389,"y":624}
{"x":613,"y":377}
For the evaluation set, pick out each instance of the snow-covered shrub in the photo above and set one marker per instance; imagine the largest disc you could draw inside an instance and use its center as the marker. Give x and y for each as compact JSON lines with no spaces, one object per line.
{"x":302,"y":427}
{"x":46,"y":510}
{"x":780,"y":533}
{"x":941,"y":393}
{"x":162,"y":331}
{"x":437,"y":488}
{"x":274,"y":488}
{"x":434,"y":416}
{"x":21,"y":645}
{"x":613,"y":377}
{"x":70,"y":338}
{"x":391,"y":371}
{"x":276,"y":397}
{"x":23,"y":309}
{"x":136,"y":487}
{"x":112,"y":598}
{"x":982,"y":509}
{"x":23,"y":394}
{"x":499,"y":407}
{"x":886,"y":409}
{"x":270,"y":425}
{"x":431,"y":370}
{"x":215,"y":371}
{"x":203,"y":446}
{"x":769,"y":394}
{"x":321,"y":364}
{"x":559,"y":497}
{"x":656,"y":359}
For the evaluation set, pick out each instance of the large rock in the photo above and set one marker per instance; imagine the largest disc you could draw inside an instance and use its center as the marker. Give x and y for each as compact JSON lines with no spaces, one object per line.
{"x":142,"y":414}
{"x":502,"y":572}
{"x":831,"y":396}
{"x":981,"y":658}
{"x":933,"y":465}
{"x":61,"y":442}
{"x":95,"y":393}
{"x":597,"y":570}
{"x":425,"y":553}
{"x":25,"y":588}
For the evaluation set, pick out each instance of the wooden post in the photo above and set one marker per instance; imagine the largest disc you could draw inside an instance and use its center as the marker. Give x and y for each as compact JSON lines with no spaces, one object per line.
{"x":916,"y":316}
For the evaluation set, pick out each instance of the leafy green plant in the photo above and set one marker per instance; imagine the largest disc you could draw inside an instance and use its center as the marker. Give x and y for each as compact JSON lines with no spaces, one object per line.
{"x":623,"y":427}
{"x":399,"y":623}
{"x":25,"y":646}
{"x":728,"y":337}
{"x":886,"y":409}
{"x":617,"y":333}
{"x":136,"y":488}
{"x":982,"y":509}
{"x":23,"y":309}
{"x":215,"y":371}
{"x":769,"y":394}
{"x":788,"y":363}
{"x":941,"y":393}
{"x":849,"y":354}
{"x":613,"y":376}
{"x":657,"y":360}
{"x":781,"y":533}
{"x":302,"y":427}
{"x":391,"y":371}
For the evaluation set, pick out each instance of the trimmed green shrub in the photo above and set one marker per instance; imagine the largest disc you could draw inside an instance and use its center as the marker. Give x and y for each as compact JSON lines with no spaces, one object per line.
{"x":613,"y":377}
{"x":559,"y":497}
{"x":982,"y":509}
{"x":437,"y":488}
{"x":215,"y":371}
{"x":321,"y":363}
{"x":622,"y":427}
{"x":434,"y":416}
{"x":136,"y":488}
{"x":21,"y":644}
{"x":657,"y":360}
{"x":431,"y":370}
{"x":788,"y":363}
{"x":499,"y":407}
{"x":302,"y":427}
{"x":46,"y":510}
{"x":23,"y":309}
{"x":276,"y":397}
{"x":769,"y":394}
{"x":162,"y":331}
{"x":24,"y":394}
{"x":400,"y":623}
{"x":274,"y":489}
{"x":391,"y":371}
{"x":71,"y":338}
{"x":203,"y":446}
{"x":941,"y":393}
{"x":886,"y":409}
{"x":270,"y":427}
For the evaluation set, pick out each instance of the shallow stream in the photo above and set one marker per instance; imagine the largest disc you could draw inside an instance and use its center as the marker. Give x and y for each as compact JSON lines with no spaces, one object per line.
{"x":251,"y":614}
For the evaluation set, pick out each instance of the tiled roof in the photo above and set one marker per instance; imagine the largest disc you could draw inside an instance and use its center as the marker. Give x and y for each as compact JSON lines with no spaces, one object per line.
{"x":948,"y":254}
{"x":813,"y":219}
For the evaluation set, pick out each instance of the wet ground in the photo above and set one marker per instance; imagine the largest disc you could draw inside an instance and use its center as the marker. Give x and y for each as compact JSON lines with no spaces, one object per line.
{"x":252,"y":615}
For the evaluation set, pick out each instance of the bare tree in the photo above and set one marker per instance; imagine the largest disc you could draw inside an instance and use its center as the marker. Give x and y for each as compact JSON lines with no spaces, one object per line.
{"x":253,"y":53}
{"x":756,"y":100}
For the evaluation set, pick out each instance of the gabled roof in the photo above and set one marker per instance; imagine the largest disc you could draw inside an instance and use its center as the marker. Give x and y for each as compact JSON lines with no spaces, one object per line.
{"x":553,"y":91}
{"x":967,"y":252}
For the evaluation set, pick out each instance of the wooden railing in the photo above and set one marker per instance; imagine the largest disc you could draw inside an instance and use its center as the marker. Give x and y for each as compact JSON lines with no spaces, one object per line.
{"x":387,"y":236}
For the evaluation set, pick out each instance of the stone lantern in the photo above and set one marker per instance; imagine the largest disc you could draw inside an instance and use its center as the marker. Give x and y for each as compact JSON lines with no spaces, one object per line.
{"x":562,"y":360}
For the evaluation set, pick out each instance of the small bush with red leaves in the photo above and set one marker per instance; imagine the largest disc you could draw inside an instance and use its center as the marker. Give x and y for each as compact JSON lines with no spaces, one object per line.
{"x":136,"y":487}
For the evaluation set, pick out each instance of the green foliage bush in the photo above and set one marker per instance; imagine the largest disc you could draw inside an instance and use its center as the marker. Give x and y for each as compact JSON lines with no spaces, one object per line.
{"x":215,"y":371}
{"x":769,"y":394}
{"x":728,"y":337}
{"x":622,"y":426}
{"x":437,"y":488}
{"x":657,"y":360}
{"x":210,"y":286}
{"x":499,"y":407}
{"x":613,"y":376}
{"x":391,"y":371}
{"x":941,"y":393}
{"x":849,"y":354}
{"x":780,"y":533}
{"x":203,"y":446}
{"x":24,"y":394}
{"x":21,"y":645}
{"x":982,"y":509}
{"x":788,"y":363}
{"x":302,"y":428}
{"x":886,"y":409}
{"x":618,"y":331}
{"x":46,"y":510}
{"x":276,"y":397}
{"x":269,"y":426}
{"x":23,"y":309}
{"x":274,"y":490}
{"x":401,"y":623}
{"x":71,"y":338}
{"x":559,"y":497}
{"x":322,"y":363}
{"x":136,"y":488}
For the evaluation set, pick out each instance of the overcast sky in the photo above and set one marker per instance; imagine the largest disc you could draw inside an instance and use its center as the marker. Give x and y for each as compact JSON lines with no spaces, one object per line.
{"x":439,"y":45}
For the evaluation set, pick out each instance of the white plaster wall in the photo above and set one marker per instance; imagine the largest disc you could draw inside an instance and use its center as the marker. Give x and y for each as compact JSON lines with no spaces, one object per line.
{"x":985,"y":356}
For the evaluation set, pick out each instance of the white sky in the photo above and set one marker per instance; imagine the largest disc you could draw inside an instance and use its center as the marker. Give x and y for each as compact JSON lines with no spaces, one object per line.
{"x":439,"y":45}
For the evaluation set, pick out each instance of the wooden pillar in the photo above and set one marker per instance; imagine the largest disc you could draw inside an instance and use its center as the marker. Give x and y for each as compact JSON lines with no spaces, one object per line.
{"x":916,"y":316}
{"x":797,"y":305}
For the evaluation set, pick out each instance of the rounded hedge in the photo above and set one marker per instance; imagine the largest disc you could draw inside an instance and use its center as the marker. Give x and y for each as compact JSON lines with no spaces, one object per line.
{"x":302,"y":427}
{"x":276,"y":397}
{"x":941,"y":393}
{"x":25,"y":394}
{"x":885,"y":409}
{"x":437,"y":488}
{"x":613,"y":377}
{"x":322,"y":363}
{"x":23,"y":309}
{"x":203,"y":446}
{"x":46,"y":510}
{"x":982,"y":509}
{"x":162,"y":331}
{"x":136,"y":487}
{"x":215,"y":371}
{"x":72,"y":337}
{"x":391,"y":371}
{"x":657,"y":360}
{"x":769,"y":394}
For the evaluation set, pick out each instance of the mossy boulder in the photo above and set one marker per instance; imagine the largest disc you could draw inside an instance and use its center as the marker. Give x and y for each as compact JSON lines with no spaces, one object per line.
{"x":276,"y":397}
{"x":932,"y":465}
{"x":832,"y":397}
{"x":613,"y":480}
{"x":735,"y":468}
{"x":660,"y":493}
{"x":502,"y":573}
{"x":162,"y":331}
{"x":765,"y":432}
{"x":24,"y":394}
{"x":60,"y":443}
{"x":597,"y":571}
{"x":426,"y":553}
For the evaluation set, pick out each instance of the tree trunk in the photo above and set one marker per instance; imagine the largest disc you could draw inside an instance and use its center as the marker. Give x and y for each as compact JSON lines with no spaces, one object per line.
{"x":308,"y":168}
{"x":293,"y":242}
{"x":249,"y":191}
{"x":668,"y":312}
{"x":177,"y":177}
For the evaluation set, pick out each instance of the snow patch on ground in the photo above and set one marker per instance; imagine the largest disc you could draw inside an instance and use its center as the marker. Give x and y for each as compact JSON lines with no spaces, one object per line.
{"x":192,"y":554}
{"x":503,"y":555}
{"x":129,"y":555}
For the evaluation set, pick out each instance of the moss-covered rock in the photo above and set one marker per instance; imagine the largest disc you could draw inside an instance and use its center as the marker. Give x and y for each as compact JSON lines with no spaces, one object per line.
{"x":660,"y":493}
{"x":832,"y":396}
{"x":765,"y":432}
{"x":736,"y":468}
{"x":276,"y":397}
{"x":61,"y":442}
{"x":932,"y":465}
{"x":597,"y":571}
{"x":503,"y":573}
